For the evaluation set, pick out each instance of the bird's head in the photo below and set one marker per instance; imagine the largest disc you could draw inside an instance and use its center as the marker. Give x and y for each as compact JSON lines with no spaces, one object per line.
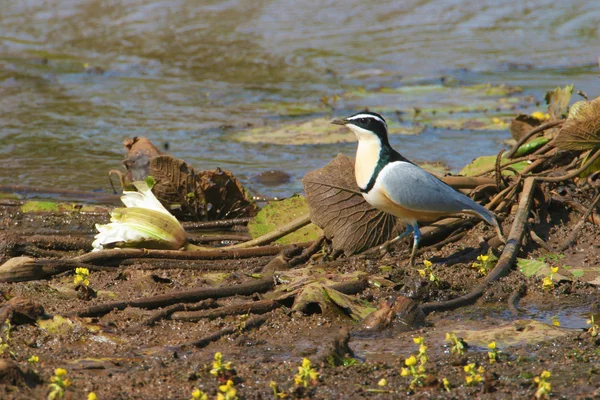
{"x":366,"y":126}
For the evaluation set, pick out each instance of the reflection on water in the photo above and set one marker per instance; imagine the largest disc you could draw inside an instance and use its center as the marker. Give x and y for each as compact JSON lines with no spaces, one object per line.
{"x":78,"y":77}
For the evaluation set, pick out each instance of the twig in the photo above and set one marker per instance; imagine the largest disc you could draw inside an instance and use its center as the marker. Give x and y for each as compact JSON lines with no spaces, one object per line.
{"x":514,"y":298}
{"x":185,"y":296}
{"x":535,"y":237}
{"x":571,"y":174}
{"x":594,"y":218}
{"x":253,"y":307}
{"x":532,"y":132}
{"x":168,"y":311}
{"x":194,"y":239}
{"x":275,"y":234}
{"x":308,"y":253}
{"x":573,"y":235}
{"x":224,"y":223}
{"x":251,"y":323}
{"x":466,"y":182}
{"x":505,"y":261}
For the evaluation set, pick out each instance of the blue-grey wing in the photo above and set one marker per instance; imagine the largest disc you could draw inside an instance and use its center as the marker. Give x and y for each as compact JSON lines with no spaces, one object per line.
{"x":416,"y":189}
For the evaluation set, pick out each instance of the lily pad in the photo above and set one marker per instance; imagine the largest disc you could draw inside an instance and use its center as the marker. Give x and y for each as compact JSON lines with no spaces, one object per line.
{"x":484,"y":163}
{"x":516,"y":333}
{"x":314,"y":131}
{"x":279,"y":213}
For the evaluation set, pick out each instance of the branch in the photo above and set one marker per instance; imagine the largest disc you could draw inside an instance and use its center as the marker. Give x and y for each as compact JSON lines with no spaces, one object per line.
{"x":506,"y":260}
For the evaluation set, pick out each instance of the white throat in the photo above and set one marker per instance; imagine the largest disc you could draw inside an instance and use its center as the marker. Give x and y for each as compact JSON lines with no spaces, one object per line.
{"x":367,"y":155}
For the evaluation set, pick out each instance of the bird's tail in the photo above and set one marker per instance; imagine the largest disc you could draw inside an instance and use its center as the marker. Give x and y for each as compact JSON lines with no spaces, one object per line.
{"x":487,"y":216}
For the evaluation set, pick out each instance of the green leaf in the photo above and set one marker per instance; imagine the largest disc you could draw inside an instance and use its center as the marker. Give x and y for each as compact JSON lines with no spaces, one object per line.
{"x":531,"y":268}
{"x":278,"y":213}
{"x":485,"y":163}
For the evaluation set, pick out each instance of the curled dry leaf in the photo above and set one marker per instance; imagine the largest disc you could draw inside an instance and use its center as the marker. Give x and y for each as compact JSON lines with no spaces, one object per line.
{"x":522,"y":125}
{"x":206,"y":195}
{"x":337,"y":206}
{"x":581,"y":131}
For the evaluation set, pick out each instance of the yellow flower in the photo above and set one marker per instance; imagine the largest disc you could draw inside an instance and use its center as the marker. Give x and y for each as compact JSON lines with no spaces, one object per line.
{"x":547,"y":283}
{"x":546,"y":374}
{"x":540,"y":115}
{"x":33,"y":359}
{"x":411,"y":361}
{"x":422,"y":272}
{"x":382,"y":382}
{"x":418,"y":340}
{"x":427,"y":263}
{"x":492,"y":345}
{"x":554,"y":270}
{"x":60,"y":372}
{"x":469,"y":379}
{"x":404,"y":372}
{"x":199,"y":395}
{"x":306,"y":363}
{"x":446,"y":384}
{"x":67,"y":382}
{"x":92,"y":396}
{"x":483,"y":257}
{"x":469,"y":368}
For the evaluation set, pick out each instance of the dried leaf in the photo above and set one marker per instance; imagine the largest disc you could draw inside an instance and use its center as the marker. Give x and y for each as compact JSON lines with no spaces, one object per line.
{"x":581,"y":130}
{"x":558,"y":101}
{"x":206,"y":195}
{"x":522,"y":125}
{"x":176,"y":187}
{"x":337,"y":206}
{"x":224,"y":196}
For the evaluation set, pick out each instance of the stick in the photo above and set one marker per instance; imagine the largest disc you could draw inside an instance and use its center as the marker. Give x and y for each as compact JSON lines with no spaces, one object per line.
{"x":505,"y":261}
{"x":514,"y":298}
{"x":253,"y":307}
{"x":573,"y":235}
{"x":225,"y":223}
{"x":185,"y":296}
{"x":168,"y":311}
{"x":253,"y":322}
{"x":573,"y":173}
{"x":274,"y":235}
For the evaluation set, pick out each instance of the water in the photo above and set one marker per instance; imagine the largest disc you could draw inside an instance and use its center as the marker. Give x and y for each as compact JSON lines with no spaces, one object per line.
{"x":194,"y":73}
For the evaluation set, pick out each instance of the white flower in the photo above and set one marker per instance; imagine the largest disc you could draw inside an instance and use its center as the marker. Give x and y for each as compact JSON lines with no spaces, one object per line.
{"x":144,"y":223}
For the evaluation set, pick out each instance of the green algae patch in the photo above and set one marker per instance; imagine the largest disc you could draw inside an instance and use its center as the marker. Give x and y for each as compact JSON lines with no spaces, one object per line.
{"x":517,"y":333}
{"x":485,"y":163}
{"x":279,"y":213}
{"x":57,"y":325}
{"x":46,"y":206}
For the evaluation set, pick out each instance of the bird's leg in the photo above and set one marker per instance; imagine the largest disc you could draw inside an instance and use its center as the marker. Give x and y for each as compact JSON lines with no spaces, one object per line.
{"x":385,"y":247}
{"x":416,"y":236}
